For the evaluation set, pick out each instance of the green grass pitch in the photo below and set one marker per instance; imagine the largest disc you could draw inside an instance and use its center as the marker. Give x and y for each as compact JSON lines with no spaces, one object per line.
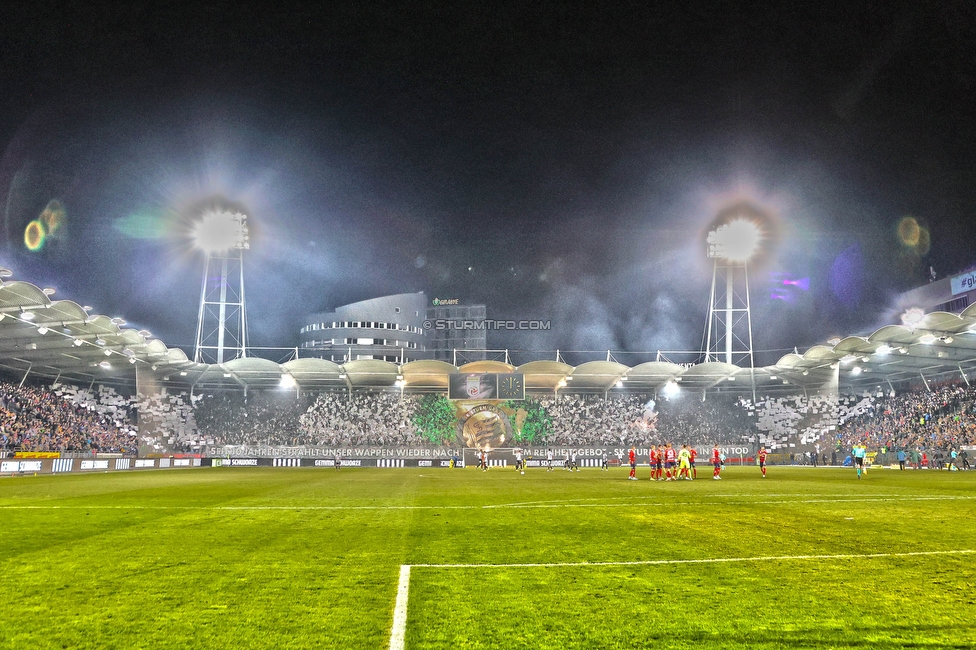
{"x":311,"y":558}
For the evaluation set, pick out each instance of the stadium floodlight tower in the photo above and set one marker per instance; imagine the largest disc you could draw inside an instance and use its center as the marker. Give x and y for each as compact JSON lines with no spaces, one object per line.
{"x":729,"y":331}
{"x":222,"y":322}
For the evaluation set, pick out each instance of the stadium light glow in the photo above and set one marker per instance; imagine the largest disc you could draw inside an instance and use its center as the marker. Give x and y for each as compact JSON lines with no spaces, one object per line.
{"x":856,"y":370}
{"x":736,"y":241}
{"x":219,"y":231}
{"x":287,"y":381}
{"x":883,"y":350}
{"x":671,"y":388}
{"x":927,"y":339}
{"x":912,"y":316}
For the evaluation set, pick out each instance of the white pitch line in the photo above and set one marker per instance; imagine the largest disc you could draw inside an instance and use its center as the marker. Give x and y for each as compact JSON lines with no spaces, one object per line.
{"x":714,"y":560}
{"x":398,"y":633}
{"x":725,"y":503}
{"x":633,"y":504}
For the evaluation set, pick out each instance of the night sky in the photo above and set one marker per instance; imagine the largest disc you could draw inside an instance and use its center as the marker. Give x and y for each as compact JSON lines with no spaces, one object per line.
{"x":572,"y":158}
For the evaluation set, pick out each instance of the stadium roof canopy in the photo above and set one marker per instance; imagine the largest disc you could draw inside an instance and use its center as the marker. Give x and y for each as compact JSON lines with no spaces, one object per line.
{"x":60,"y":340}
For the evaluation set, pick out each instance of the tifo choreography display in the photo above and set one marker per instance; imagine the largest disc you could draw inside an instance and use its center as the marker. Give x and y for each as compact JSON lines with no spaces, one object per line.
{"x":927,"y":425}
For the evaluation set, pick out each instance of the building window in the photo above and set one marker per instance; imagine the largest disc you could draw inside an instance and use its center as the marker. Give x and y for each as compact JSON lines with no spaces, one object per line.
{"x":955,"y":305}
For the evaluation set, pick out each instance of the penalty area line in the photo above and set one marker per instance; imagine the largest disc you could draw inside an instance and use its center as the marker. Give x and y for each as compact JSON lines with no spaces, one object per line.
{"x":398,"y":633}
{"x":399,"y":629}
{"x":711,"y":560}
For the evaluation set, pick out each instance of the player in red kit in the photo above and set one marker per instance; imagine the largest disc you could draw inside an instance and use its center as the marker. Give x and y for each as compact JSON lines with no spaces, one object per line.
{"x":716,"y":463}
{"x":655,"y":458}
{"x":669,"y":462}
{"x":762,"y":460}
{"x":632,"y":457}
{"x":694,"y":470}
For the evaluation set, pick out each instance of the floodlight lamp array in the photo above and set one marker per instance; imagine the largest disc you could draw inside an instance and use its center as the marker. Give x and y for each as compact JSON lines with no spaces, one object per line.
{"x":219,"y":231}
{"x":735,"y":241}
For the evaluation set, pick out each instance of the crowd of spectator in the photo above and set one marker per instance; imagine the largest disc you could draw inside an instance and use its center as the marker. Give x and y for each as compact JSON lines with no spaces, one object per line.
{"x":256,"y":418}
{"x":583,"y":420}
{"x":67,"y":418}
{"x":363,"y":419}
{"x":799,"y":421}
{"x":938,"y":420}
{"x":41,"y":419}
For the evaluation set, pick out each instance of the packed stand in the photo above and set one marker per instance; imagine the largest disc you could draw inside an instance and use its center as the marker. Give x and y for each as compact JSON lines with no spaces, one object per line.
{"x":582,"y":420}
{"x":362,"y":419}
{"x":939,"y":420}
{"x":258,"y":418}
{"x":806,"y":422}
{"x":48,"y":419}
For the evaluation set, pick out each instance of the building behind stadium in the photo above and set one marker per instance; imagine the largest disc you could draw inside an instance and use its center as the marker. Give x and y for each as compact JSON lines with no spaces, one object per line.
{"x":951,"y":294}
{"x":397,"y":328}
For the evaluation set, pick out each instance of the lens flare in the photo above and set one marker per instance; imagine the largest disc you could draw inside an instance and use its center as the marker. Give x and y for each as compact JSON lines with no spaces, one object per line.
{"x":924,"y":242}
{"x":34,"y":236}
{"x":909,"y":231}
{"x":142,"y":226}
{"x":53,"y":216}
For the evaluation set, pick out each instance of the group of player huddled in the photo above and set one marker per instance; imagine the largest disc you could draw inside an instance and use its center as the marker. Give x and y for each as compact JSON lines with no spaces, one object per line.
{"x":670,"y":464}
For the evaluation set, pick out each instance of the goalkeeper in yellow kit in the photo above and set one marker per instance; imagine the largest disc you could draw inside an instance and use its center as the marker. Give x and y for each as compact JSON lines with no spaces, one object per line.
{"x":684,"y":463}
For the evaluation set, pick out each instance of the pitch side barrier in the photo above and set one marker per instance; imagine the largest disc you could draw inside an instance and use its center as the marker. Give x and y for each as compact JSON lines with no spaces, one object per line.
{"x":31,"y":466}
{"x":324,"y":463}
{"x":444,"y":457}
{"x":592,"y":456}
